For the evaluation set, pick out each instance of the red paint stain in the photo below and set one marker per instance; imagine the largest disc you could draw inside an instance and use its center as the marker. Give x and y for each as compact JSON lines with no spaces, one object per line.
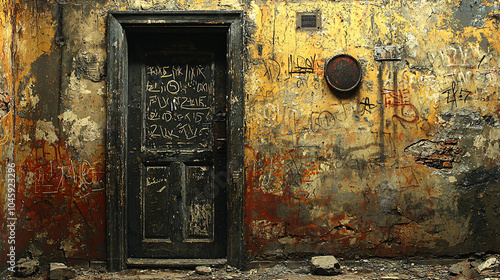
{"x":286,"y":216}
{"x":61,"y":202}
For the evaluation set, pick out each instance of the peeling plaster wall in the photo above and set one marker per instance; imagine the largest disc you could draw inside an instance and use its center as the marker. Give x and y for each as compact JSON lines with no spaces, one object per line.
{"x":6,"y":115}
{"x":408,"y":166}
{"x":60,"y":111}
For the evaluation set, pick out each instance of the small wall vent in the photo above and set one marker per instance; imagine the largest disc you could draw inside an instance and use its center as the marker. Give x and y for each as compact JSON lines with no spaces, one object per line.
{"x":308,"y":20}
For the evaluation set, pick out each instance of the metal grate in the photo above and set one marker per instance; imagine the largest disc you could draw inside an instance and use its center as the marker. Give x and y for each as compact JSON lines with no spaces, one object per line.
{"x":308,"y":20}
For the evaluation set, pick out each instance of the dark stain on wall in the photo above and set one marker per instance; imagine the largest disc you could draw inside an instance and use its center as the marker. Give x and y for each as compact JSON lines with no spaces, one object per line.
{"x":46,"y":86}
{"x":479,"y":201}
{"x":473,"y":13}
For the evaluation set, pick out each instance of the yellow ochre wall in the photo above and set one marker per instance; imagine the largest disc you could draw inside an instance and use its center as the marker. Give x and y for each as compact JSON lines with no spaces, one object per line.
{"x":409,"y":165}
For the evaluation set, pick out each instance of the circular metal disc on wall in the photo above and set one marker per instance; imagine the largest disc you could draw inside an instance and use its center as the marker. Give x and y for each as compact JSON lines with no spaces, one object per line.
{"x":343,"y":72}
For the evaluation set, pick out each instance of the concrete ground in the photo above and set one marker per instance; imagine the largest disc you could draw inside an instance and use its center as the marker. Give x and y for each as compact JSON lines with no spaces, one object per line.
{"x":363,"y":269}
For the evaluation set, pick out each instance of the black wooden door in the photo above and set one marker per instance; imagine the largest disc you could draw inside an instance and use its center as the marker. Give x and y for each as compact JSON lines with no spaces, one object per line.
{"x":176,"y":146}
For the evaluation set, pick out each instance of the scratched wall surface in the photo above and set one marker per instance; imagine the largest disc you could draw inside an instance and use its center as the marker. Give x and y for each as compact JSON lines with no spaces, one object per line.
{"x":59,"y":114}
{"x":407,"y":166}
{"x":6,"y":116}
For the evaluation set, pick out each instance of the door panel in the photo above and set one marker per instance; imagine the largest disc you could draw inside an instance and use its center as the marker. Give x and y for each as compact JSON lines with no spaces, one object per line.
{"x":156,"y":202}
{"x":199,"y":204}
{"x":176,"y":150}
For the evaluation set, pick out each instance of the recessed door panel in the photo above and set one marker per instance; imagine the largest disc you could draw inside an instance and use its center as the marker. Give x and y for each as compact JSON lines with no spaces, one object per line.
{"x":199,"y":203}
{"x":176,"y":136}
{"x":156,"y":194}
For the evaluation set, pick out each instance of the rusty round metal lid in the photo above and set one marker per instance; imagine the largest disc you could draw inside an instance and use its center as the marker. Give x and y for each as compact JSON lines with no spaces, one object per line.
{"x":343,"y":72}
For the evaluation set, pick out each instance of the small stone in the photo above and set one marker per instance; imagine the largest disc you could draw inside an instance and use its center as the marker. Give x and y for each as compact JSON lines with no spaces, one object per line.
{"x":460,"y":267}
{"x":325,"y":265}
{"x":59,"y":271}
{"x":487,"y":264}
{"x":203,"y":270}
{"x":103,"y":270}
{"x":26,"y":267}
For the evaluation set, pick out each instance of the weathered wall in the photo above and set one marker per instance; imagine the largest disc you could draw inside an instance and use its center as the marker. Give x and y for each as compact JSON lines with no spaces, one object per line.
{"x":6,"y":117}
{"x":59,"y":137}
{"x":409,"y":165}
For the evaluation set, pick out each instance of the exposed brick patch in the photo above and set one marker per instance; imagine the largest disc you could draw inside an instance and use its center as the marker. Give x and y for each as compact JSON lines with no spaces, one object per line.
{"x":441,"y":154}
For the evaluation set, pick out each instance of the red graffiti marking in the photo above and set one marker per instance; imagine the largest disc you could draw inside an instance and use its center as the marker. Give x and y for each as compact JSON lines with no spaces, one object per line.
{"x":411,"y":180}
{"x":62,"y":198}
{"x":52,"y":174}
{"x":301,"y":194}
{"x":400,"y":99}
{"x":492,"y":72}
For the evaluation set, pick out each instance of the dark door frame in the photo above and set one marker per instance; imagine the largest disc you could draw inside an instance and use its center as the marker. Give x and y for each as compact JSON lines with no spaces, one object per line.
{"x":121,"y":22}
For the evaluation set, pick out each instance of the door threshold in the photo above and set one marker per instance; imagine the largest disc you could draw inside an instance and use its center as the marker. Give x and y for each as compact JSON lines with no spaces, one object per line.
{"x":171,"y":263}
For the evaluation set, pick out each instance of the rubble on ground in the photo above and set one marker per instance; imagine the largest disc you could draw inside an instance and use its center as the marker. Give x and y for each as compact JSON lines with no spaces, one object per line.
{"x":26,"y":267}
{"x":483,"y":267}
{"x":476,"y":269}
